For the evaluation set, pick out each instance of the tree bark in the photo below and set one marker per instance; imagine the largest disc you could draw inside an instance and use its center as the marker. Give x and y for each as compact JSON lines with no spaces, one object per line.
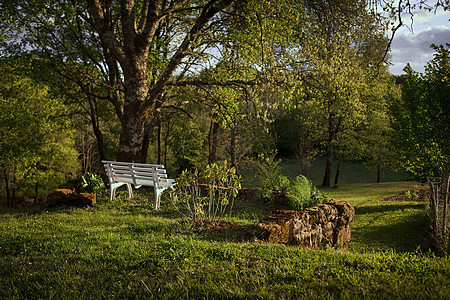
{"x":332,"y":131}
{"x":379,"y":167}
{"x":338,"y":172}
{"x":159,"y":139}
{"x":131,"y":138}
{"x":434,"y":201}
{"x":326,"y":182}
{"x":213,"y":139}
{"x":446,"y":181}
{"x":233,"y":155}
{"x":166,"y":142}
{"x":100,"y":143}
{"x":146,"y":142}
{"x":131,"y":52}
{"x":8,"y":192}
{"x":13,"y":198}
{"x":133,"y":119}
{"x":36,"y":191}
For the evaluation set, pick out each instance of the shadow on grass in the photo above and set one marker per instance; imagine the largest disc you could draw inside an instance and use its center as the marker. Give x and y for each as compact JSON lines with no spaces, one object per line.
{"x":386,"y":208}
{"x":390,"y":227}
{"x":237,"y":234}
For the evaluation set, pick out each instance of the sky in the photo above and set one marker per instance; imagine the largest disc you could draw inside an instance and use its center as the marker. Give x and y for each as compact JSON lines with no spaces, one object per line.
{"x":412,"y":44}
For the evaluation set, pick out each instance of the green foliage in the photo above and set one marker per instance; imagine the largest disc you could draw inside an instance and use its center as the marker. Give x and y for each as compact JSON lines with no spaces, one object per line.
{"x":303,"y":194}
{"x":318,"y":196}
{"x":411,"y":195}
{"x":269,"y":175}
{"x":299,"y":195}
{"x":37,"y":149}
{"x":421,"y":118}
{"x":208,"y":194}
{"x":92,"y":183}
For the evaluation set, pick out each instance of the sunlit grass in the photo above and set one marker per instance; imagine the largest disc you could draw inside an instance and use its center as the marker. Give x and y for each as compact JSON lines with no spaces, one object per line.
{"x":127,"y":250}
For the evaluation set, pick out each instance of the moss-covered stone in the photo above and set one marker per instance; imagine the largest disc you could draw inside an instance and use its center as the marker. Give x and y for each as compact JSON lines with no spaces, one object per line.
{"x":316,"y":227}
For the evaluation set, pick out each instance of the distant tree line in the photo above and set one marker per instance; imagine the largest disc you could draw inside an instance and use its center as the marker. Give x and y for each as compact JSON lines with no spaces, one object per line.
{"x":188,"y":83}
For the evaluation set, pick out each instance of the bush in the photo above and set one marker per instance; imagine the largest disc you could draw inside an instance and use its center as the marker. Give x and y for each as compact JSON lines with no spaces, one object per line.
{"x":303,"y":194}
{"x":206,"y":195}
{"x":299,"y":194}
{"x":269,"y":173}
{"x":92,"y":183}
{"x":278,"y":184}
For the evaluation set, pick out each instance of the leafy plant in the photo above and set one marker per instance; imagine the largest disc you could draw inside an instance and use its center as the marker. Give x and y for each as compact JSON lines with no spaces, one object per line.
{"x":269,"y":174}
{"x":208,"y":194}
{"x":303,"y":194}
{"x":411,"y":195}
{"x":269,"y":185}
{"x":92,"y":183}
{"x":317,"y":196}
{"x":300,"y":193}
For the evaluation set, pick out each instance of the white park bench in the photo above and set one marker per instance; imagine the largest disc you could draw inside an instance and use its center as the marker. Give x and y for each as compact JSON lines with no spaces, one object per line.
{"x":137,"y":174}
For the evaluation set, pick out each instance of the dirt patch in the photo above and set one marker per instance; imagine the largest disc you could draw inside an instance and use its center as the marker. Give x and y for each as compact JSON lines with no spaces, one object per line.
{"x":417,"y":195}
{"x":215,"y":225}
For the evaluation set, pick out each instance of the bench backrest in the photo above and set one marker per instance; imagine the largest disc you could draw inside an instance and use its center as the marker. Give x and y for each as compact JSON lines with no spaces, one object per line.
{"x":135,"y":173}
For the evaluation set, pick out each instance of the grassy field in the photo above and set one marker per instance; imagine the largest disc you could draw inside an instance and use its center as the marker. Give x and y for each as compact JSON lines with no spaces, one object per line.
{"x":351,"y":172}
{"x":127,"y":250}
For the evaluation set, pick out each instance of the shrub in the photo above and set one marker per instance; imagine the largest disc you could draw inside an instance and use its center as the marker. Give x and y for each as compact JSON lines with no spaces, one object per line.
{"x":269,"y":173}
{"x":303,"y":194}
{"x":299,"y":194}
{"x":92,"y":183}
{"x":208,"y":194}
{"x":278,"y":184}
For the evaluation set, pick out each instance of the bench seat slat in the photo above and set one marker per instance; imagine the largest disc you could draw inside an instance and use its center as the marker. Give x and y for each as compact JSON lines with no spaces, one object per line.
{"x":138,"y":174}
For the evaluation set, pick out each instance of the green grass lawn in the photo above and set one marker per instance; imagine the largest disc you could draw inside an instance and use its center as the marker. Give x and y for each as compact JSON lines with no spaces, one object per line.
{"x":127,"y":250}
{"x":351,"y":172}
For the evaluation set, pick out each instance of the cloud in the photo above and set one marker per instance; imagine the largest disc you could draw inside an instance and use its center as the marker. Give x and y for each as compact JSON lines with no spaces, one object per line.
{"x":415,"y":48}
{"x":423,"y":17}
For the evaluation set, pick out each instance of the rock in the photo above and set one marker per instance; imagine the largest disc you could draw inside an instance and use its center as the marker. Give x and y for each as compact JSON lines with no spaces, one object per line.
{"x":316,"y":227}
{"x":248,"y":194}
{"x":70,"y":198}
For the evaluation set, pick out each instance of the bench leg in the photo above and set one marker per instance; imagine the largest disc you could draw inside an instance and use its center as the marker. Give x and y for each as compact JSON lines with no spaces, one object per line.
{"x":157,"y":197}
{"x":158,"y":193}
{"x":130,"y":191}
{"x":114,"y":186}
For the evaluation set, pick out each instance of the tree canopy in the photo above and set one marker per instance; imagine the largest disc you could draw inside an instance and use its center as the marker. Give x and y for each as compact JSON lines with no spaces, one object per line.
{"x":216,"y":79}
{"x":421,"y":118}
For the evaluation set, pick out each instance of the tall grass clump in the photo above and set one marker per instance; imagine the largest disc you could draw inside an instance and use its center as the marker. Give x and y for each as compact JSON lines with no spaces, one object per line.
{"x":302,"y":194}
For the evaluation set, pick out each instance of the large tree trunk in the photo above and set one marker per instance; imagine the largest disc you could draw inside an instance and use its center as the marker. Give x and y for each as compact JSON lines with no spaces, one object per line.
{"x":131,"y":138}
{"x":146,"y":142}
{"x":133,"y":119}
{"x":130,"y":48}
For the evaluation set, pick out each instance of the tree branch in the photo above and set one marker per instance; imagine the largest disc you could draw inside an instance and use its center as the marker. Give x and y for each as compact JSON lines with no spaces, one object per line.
{"x":212,"y":83}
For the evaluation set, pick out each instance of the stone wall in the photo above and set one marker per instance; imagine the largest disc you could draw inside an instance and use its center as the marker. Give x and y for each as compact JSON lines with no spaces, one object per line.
{"x":317,"y":227}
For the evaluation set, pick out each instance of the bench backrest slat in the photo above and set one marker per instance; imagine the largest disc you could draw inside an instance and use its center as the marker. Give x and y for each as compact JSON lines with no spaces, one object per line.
{"x":136,"y":173}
